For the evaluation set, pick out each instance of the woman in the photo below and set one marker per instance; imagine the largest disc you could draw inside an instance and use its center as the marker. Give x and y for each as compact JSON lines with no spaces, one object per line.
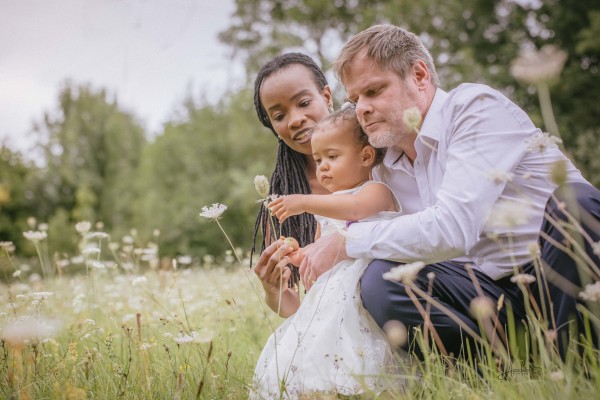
{"x":291,"y":95}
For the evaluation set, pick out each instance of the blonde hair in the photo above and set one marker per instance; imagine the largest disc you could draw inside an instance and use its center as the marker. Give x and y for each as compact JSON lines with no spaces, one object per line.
{"x":391,"y":47}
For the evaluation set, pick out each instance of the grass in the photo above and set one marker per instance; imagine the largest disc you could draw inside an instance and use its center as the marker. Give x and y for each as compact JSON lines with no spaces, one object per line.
{"x":135,"y":328}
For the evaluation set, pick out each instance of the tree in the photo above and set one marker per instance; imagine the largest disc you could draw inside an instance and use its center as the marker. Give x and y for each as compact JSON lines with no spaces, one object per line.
{"x":92,"y":150}
{"x":208,"y":155}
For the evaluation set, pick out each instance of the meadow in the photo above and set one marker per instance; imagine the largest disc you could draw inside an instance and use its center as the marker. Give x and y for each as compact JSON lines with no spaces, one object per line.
{"x":118,"y":322}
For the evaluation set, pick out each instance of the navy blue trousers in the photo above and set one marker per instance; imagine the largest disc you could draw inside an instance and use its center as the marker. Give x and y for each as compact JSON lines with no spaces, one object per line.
{"x":454,"y":288}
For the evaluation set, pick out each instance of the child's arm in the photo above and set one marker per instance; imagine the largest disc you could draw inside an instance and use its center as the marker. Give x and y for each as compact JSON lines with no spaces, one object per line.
{"x":368,"y":201}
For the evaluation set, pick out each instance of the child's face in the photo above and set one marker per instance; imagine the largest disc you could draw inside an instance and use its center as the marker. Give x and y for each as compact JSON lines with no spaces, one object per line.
{"x":341,"y":162}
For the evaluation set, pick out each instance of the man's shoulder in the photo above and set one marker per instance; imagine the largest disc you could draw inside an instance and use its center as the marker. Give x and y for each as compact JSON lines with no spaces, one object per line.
{"x":467,"y":94}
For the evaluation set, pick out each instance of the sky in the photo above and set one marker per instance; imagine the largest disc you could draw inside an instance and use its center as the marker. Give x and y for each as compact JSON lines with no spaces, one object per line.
{"x":149,"y":54}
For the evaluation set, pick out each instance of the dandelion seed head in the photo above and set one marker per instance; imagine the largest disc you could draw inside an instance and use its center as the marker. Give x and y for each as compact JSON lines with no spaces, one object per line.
{"x":405,"y":273}
{"x":214,"y":212}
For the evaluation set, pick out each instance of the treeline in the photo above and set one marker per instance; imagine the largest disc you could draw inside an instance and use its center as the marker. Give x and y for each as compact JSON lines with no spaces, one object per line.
{"x":99,"y":165}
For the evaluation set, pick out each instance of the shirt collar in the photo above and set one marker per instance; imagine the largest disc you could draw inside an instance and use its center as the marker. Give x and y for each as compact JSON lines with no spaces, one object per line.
{"x":433,"y":125}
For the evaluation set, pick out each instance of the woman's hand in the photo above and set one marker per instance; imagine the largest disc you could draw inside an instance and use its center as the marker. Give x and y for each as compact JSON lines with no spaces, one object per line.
{"x":287,"y":206}
{"x":321,"y":256}
{"x":271,"y":269}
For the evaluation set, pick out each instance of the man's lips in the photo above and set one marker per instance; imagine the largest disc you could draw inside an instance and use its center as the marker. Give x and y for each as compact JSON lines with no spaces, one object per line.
{"x":371,"y":125}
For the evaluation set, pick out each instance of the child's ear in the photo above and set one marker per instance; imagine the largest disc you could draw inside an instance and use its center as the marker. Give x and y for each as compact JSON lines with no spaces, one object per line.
{"x":368,"y":155}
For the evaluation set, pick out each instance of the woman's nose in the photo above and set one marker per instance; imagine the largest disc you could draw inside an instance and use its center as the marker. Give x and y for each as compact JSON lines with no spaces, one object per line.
{"x":296,"y":119}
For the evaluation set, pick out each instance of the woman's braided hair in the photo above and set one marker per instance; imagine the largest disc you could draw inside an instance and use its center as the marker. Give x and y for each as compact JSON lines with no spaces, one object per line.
{"x":289,"y":176}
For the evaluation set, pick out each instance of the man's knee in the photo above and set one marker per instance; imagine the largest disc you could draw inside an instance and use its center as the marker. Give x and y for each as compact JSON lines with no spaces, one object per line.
{"x":376,"y":291}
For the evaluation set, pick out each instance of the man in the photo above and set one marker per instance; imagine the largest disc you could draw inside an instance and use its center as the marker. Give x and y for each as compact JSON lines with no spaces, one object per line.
{"x":473,"y":178}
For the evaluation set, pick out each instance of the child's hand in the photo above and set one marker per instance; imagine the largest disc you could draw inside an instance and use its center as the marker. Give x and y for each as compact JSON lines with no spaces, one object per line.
{"x":286,"y":206}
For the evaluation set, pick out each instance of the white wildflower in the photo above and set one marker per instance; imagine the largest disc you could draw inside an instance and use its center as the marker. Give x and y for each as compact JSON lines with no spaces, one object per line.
{"x":533,"y":66}
{"x":557,"y":376}
{"x":96,"y":235}
{"x":42,"y":295}
{"x":30,"y":329}
{"x":35,"y":236}
{"x":97,"y":265}
{"x":167,"y":334}
{"x":139,"y":280}
{"x":591,"y":292}
{"x":146,"y":346}
{"x":541,"y":141}
{"x":83,"y":227}
{"x":17,"y":273}
{"x":77,"y":260}
{"x":182,"y":339}
{"x":31,"y":221}
{"x":405,"y":273}
{"x":184,"y":260}
{"x":482,"y":307}
{"x":261,"y":184}
{"x":8,"y":246}
{"x":90,"y":250}
{"x":43,"y":227}
{"x":412,"y":118}
{"x":60,"y":264}
{"x":509,"y":214}
{"x":534,"y":249}
{"x":500,"y":177}
{"x":127,"y":239}
{"x":213,"y":212}
{"x":89,"y":321}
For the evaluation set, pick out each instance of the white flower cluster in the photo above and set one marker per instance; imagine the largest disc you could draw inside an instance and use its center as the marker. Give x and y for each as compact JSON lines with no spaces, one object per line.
{"x":509,"y":214}
{"x":542,"y":141}
{"x":591,"y":292}
{"x":533,"y":66}
{"x":523,"y":279}
{"x":213,"y":212}
{"x":35,"y":236}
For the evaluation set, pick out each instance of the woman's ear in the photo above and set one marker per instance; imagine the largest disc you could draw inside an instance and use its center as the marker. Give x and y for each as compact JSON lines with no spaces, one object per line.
{"x":368,"y":155}
{"x":326,"y":92}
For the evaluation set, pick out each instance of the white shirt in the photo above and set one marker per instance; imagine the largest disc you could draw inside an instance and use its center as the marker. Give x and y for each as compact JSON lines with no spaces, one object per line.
{"x":477,"y":190}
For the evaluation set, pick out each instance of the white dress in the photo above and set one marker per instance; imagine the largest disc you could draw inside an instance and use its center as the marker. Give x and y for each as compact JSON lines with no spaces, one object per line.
{"x":331,"y":343}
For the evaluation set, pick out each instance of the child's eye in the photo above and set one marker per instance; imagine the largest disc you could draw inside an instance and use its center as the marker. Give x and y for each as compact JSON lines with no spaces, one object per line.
{"x":332,"y":156}
{"x":318,"y":161}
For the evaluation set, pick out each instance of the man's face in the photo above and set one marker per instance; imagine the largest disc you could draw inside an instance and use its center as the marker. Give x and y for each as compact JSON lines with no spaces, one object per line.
{"x":381,"y":97}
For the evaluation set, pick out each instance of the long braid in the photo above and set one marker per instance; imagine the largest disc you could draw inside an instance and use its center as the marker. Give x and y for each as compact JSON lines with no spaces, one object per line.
{"x":289,"y":176}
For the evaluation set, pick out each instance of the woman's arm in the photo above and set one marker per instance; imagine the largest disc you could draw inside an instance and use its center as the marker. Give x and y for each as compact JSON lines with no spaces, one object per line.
{"x":367,"y":202}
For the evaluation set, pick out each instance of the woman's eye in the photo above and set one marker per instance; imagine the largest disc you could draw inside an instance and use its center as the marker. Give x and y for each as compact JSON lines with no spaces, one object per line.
{"x":277,"y":117}
{"x":305,"y":103}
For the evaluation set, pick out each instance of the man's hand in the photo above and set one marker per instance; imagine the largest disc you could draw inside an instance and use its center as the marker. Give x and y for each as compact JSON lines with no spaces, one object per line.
{"x":321,"y":257}
{"x":286,"y":206}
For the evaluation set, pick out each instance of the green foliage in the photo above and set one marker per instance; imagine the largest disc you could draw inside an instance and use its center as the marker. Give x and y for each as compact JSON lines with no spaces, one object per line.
{"x":92,"y":150}
{"x":16,"y":177}
{"x":210,"y":156}
{"x":471,"y":40}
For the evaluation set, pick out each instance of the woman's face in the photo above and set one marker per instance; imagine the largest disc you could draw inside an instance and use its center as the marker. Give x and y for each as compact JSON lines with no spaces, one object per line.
{"x":294,"y":105}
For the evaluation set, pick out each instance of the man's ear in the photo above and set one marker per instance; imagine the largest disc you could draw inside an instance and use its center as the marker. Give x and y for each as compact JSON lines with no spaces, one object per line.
{"x":368,"y":155}
{"x":420,"y":74}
